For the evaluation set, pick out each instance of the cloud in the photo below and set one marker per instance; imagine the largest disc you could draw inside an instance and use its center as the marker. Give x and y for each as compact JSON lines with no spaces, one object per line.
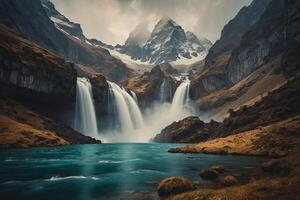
{"x":112,"y":20}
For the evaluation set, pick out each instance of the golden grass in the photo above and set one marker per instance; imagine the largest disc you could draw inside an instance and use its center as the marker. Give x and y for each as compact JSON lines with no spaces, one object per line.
{"x":16,"y":134}
{"x":20,"y":127}
{"x":269,"y":140}
{"x":277,"y":139}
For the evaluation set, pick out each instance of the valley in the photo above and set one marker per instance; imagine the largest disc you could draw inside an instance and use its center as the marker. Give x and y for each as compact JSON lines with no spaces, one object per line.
{"x":168,"y":114}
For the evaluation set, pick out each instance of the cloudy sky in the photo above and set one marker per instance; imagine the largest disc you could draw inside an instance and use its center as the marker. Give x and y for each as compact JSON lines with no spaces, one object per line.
{"x":112,"y":20}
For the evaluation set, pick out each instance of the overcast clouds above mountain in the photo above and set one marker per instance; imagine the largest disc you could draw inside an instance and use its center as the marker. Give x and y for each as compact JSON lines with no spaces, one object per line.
{"x":112,"y":20}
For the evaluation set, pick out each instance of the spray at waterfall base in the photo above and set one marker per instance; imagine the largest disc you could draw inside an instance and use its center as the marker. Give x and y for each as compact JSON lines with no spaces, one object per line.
{"x":127,"y":122}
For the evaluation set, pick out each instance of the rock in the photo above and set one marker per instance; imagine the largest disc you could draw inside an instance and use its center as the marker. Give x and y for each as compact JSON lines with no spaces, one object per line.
{"x":168,"y":69}
{"x":209,"y":174}
{"x":147,"y":86}
{"x":276,"y":167}
{"x":190,"y":129}
{"x":218,"y":168}
{"x":229,"y":181}
{"x":174,"y":185}
{"x":99,"y":87}
{"x":216,"y":62}
{"x":29,"y":72}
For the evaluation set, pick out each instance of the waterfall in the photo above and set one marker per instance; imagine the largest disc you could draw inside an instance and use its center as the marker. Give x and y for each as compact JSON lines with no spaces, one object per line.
{"x":129,"y":114}
{"x":181,"y":97}
{"x":134,"y":96}
{"x":85,"y":117}
{"x":165,"y":91}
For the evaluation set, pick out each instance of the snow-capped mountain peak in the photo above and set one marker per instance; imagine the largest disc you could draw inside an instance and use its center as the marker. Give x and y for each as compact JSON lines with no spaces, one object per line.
{"x":139,"y":36}
{"x":61,"y":22}
{"x":168,"y":42}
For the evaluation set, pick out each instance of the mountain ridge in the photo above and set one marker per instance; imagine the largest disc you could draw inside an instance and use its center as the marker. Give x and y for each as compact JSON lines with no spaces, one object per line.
{"x":168,"y":42}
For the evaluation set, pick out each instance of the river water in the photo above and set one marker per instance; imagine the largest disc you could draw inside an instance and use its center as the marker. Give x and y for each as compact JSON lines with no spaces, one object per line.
{"x":101,"y":171}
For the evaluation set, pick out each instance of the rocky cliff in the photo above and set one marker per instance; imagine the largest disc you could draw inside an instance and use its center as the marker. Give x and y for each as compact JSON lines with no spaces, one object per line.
{"x":31,"y":19}
{"x":263,"y":42}
{"x":148,"y":86}
{"x":214,"y":76}
{"x":239,"y":73}
{"x":190,"y":129}
{"x":29,"y":72}
{"x":41,"y":84}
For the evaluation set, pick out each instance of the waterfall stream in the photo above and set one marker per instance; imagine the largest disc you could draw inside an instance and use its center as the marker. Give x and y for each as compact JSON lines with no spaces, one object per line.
{"x":128,"y":112}
{"x":181,"y":97}
{"x":85,"y":116}
{"x":165,"y":91}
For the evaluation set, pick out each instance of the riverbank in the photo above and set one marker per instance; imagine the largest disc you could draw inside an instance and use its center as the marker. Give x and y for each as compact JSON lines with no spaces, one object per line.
{"x":279,"y":139}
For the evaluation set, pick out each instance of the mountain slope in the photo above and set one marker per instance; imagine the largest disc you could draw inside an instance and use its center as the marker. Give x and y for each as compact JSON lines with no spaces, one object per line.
{"x":30,"y":19}
{"x":214,"y":76}
{"x":262,"y":61}
{"x":37,"y":80}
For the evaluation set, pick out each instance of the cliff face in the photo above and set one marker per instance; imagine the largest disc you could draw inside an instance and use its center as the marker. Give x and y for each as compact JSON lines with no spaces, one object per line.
{"x":265,"y":38}
{"x":29,"y":72}
{"x":234,"y":30}
{"x":37,"y":78}
{"x":214,"y":76}
{"x":265,"y":51}
{"x":148,"y":86}
{"x":30,"y":19}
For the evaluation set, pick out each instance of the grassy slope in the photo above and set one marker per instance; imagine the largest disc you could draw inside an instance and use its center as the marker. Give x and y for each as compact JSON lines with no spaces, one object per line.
{"x":21,"y":127}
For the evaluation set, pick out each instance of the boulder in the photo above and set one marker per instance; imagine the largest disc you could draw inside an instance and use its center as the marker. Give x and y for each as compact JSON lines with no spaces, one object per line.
{"x":174,"y":185}
{"x":229,"y":181}
{"x":218,"y":168}
{"x":188,"y":130}
{"x":209,"y":174}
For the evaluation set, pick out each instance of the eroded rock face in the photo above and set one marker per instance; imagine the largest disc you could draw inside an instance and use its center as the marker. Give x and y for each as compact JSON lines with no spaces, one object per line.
{"x":247,"y":61}
{"x":100,"y":96}
{"x":265,"y":38}
{"x":233,"y":32}
{"x":245,"y":44}
{"x":30,"y":72}
{"x":99,"y":88}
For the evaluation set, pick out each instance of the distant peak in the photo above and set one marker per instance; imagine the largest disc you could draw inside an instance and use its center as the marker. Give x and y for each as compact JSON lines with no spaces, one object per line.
{"x":166,"y":19}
